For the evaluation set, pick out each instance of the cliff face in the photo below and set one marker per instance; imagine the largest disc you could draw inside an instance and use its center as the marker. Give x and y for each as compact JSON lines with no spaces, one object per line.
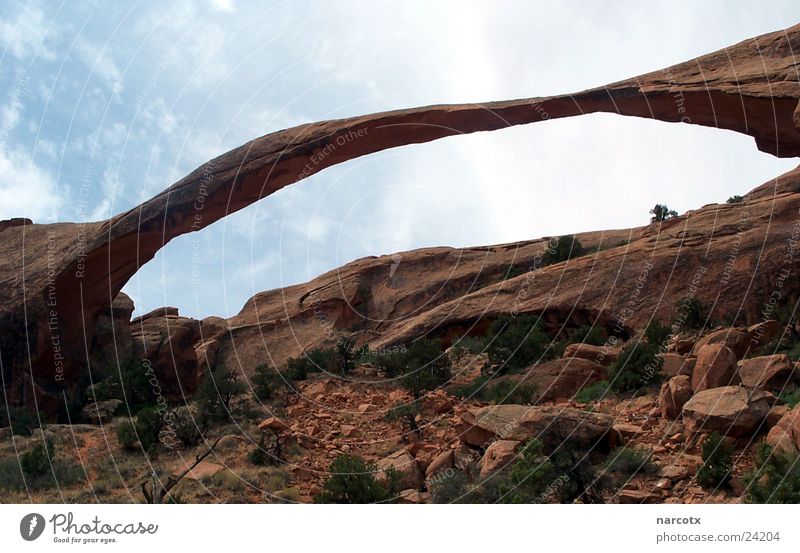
{"x":58,"y":279}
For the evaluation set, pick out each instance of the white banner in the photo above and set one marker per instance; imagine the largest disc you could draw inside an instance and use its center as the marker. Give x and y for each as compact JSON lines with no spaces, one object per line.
{"x":406,"y":528}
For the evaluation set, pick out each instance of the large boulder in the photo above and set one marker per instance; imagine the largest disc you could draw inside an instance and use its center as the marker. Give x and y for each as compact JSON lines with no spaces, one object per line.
{"x":730,"y":410}
{"x":602,"y":355}
{"x":675,"y":364}
{"x":785,"y":435}
{"x":100,"y":412}
{"x":738,"y":341}
{"x":673,"y":395}
{"x":715,"y":367}
{"x":406,"y":466}
{"x":771,"y":372}
{"x":550,"y":424}
{"x":498,"y":455}
{"x":563,"y":378}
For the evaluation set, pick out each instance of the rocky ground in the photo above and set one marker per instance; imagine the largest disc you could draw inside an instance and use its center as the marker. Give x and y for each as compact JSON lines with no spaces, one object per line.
{"x":715,"y":382}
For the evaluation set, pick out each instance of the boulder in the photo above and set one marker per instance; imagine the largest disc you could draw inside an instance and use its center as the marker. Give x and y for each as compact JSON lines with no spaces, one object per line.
{"x":770,"y":372}
{"x":498,"y":455}
{"x":550,"y":424}
{"x":764,"y":332}
{"x":442,"y":461}
{"x":406,"y":466}
{"x":675,"y":364}
{"x":785,"y":436}
{"x":674,"y":393}
{"x":100,"y":412}
{"x":715,"y":367}
{"x":730,"y":410}
{"x":562,"y":378}
{"x":602,"y":355}
{"x":683,"y":345}
{"x":776,"y":414}
{"x":734,"y":339}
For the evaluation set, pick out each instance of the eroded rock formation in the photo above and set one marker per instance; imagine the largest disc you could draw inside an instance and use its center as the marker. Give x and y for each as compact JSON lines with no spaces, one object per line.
{"x":58,"y":279}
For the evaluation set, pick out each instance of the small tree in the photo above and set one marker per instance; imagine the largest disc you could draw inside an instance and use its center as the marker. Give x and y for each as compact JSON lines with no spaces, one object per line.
{"x":656,"y":333}
{"x":407,"y":413}
{"x":216,"y":393}
{"x":638,"y":365}
{"x":775,"y":477}
{"x":346,"y":356}
{"x":562,"y":249}
{"x":266,"y":382}
{"x":717,"y":463}
{"x":661,"y":213}
{"x":514,"y":343}
{"x":694,"y":313}
{"x":352,"y":480}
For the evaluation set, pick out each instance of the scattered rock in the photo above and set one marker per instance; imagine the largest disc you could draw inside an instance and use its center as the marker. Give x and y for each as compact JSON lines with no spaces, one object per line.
{"x":442,"y":461}
{"x":497,"y":456}
{"x":734,"y":339}
{"x":561,"y":379}
{"x":675,"y":364}
{"x":405,"y":465}
{"x":100,"y":412}
{"x":785,"y":435}
{"x":769,"y":372}
{"x":715,"y":367}
{"x":729,"y":410}
{"x":673,"y":395}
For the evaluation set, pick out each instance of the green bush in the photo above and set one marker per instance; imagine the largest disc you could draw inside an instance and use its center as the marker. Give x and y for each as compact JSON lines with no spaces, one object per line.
{"x":593,"y":392}
{"x":627,"y":462}
{"x":587,"y":334}
{"x":775,"y":477}
{"x":450,"y":487}
{"x":38,"y":469}
{"x":352,"y":480}
{"x":423,"y":364}
{"x":130,"y":383}
{"x":407,"y":413}
{"x":661,"y":213}
{"x":20,"y":420}
{"x":346,"y":355}
{"x":656,"y":333}
{"x":562,"y":249}
{"x":265,"y":382}
{"x":790,"y":397}
{"x":38,"y":460}
{"x":515,"y":343}
{"x":695,"y":313}
{"x":639,"y":364}
{"x":717,"y":463}
{"x":186,"y":430}
{"x":734,"y":199}
{"x":503,"y":392}
{"x":216,"y":393}
{"x":126,"y":435}
{"x":149,"y":422}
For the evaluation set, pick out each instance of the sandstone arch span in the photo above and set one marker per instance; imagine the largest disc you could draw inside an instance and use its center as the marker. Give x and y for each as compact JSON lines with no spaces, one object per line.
{"x":56,"y":279}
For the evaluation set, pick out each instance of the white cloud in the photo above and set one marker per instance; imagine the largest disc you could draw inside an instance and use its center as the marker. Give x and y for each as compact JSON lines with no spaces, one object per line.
{"x":100,"y":62}
{"x":26,"y":190}
{"x":223,"y":5}
{"x":27,"y":34}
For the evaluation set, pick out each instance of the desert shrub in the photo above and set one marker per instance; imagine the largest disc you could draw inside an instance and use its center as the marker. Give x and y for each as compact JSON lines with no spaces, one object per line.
{"x":352,"y":480}
{"x":562,"y":249}
{"x":695,"y":313}
{"x":423,"y":364}
{"x":588,"y":334}
{"x":661,"y":213}
{"x":734,"y":199}
{"x":126,"y":435}
{"x":593,"y":392}
{"x":469,"y":344}
{"x":515,"y":343}
{"x":790,"y":397}
{"x":775,"y":477}
{"x":130,"y":382}
{"x":149,"y":422}
{"x":717,"y":463}
{"x":258,"y":455}
{"x":186,"y":430}
{"x":38,"y":469}
{"x":37,"y":461}
{"x":561,"y":477}
{"x":21,"y":421}
{"x":346,"y":356}
{"x":216,"y":392}
{"x":627,"y":462}
{"x":265,"y":382}
{"x":450,"y":487}
{"x":639,"y":364}
{"x":656,"y":333}
{"x":406,"y":413}
{"x":503,"y":392}
{"x":313,"y":360}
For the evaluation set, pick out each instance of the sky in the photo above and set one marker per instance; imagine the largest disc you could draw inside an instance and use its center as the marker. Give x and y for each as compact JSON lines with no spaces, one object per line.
{"x":102,"y":105}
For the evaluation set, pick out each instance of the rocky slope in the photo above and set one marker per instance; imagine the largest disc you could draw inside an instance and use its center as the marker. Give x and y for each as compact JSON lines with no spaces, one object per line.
{"x":58,"y":280}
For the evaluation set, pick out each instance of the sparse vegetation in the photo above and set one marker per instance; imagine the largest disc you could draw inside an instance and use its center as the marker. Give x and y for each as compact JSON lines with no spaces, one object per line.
{"x":734,"y":199}
{"x":656,"y":333}
{"x":265,"y":382}
{"x":775,"y":477}
{"x":37,"y":469}
{"x":126,"y":435}
{"x":661,"y":213}
{"x":790,"y":397}
{"x":561,"y":249}
{"x":352,"y":480}
{"x":717,"y":463}
{"x":628,"y":461}
{"x":423,"y":365}
{"x":594,"y":392}
{"x":639,"y":364}
{"x":499,"y":393}
{"x":406,"y":412}
{"x":693,"y":313}
{"x":515,"y":343}
{"x":594,"y":335}
{"x":215,"y":395}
